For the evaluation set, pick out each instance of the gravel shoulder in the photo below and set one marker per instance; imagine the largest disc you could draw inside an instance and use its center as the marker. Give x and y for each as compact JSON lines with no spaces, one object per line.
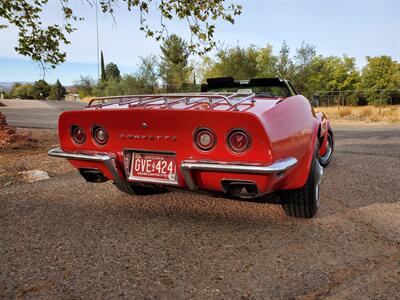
{"x":65,"y":238}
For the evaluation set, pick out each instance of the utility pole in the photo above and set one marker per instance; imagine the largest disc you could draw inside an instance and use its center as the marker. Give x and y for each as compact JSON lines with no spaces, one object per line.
{"x":97,"y":42}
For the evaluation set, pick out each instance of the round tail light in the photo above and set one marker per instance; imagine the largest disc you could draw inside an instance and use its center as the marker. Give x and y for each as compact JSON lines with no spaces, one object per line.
{"x":78,"y":134}
{"x":100,"y":135}
{"x":238,"y":140}
{"x":204,"y":139}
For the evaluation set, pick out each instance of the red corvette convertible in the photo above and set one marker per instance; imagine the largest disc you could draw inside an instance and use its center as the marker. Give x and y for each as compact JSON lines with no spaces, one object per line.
{"x":242,"y":139}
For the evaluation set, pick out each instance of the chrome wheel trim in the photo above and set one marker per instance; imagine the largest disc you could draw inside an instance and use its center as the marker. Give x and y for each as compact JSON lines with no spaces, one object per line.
{"x":328,"y":153}
{"x":318,"y":178}
{"x":317,"y":194}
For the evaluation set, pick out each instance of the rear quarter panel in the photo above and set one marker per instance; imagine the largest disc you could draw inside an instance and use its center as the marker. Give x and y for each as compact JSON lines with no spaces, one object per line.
{"x":292,"y":127}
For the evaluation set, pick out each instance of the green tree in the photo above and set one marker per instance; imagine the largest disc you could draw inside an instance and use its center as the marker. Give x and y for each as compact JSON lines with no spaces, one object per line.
{"x":57,"y":91}
{"x":102,"y":69}
{"x":266,"y":62}
{"x":333,"y":74}
{"x":284,"y":65}
{"x":41,"y":89}
{"x":14,"y":88}
{"x":84,"y":86}
{"x":148,"y":74}
{"x":43,"y":43}
{"x":380,"y":72}
{"x":302,"y":68}
{"x":240,"y":63}
{"x":23,"y":91}
{"x":112,"y":72}
{"x":174,"y":67}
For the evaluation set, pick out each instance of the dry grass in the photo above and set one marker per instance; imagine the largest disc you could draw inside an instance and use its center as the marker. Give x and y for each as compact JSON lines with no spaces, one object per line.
{"x":345,"y":111}
{"x":373,"y":114}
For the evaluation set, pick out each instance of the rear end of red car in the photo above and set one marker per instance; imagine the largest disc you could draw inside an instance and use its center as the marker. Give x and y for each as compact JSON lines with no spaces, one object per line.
{"x":218,"y":151}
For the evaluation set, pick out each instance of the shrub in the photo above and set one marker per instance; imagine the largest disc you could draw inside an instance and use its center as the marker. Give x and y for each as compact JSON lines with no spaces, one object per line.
{"x":361,"y":100}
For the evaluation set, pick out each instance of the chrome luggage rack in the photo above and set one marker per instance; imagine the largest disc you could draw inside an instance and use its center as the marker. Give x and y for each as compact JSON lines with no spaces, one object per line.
{"x":191,"y":100}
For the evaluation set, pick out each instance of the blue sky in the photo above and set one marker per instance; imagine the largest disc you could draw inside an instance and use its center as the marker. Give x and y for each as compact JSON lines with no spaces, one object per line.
{"x":354,"y":28}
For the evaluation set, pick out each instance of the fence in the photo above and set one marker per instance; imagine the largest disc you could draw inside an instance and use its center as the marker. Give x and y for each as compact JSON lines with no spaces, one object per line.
{"x":377,"y":97}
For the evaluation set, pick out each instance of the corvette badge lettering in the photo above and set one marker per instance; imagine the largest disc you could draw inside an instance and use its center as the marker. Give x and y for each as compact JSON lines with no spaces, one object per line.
{"x":148,"y":137}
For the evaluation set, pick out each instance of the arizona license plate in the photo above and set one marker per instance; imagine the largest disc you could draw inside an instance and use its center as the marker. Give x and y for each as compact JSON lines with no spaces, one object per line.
{"x":149,"y":167}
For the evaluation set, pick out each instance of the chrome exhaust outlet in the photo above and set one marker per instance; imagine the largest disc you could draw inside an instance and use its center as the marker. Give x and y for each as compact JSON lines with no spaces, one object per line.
{"x":241,"y":189}
{"x":92,"y":175}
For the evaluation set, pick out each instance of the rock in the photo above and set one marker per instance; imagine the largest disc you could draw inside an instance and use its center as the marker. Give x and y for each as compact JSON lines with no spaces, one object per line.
{"x":9,"y":137}
{"x":34,"y":175}
{"x":10,"y":130}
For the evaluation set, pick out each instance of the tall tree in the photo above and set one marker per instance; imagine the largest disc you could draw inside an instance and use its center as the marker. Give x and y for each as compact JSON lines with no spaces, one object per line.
{"x":266,"y":62}
{"x":102,"y":69}
{"x":174,"y":67}
{"x":43,"y":43}
{"x":147,"y":74}
{"x":41,"y":89}
{"x":112,"y":72}
{"x":57,"y":91}
{"x":284,"y":64}
{"x":302,"y":68}
{"x":380,"y":72}
{"x":238,"y":62}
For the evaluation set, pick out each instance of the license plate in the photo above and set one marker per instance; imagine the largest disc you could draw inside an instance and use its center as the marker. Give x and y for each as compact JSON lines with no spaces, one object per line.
{"x":149,"y":167}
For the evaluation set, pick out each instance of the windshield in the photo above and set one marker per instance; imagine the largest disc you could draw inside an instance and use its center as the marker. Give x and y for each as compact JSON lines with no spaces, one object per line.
{"x":267,"y":87}
{"x":267,"y":91}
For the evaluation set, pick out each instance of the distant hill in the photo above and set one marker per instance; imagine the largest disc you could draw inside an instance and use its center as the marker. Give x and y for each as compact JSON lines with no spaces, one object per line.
{"x":8,"y":85}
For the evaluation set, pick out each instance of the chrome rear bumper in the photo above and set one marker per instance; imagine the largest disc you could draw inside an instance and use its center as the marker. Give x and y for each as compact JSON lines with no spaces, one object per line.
{"x":108,"y":159}
{"x":277,"y":167}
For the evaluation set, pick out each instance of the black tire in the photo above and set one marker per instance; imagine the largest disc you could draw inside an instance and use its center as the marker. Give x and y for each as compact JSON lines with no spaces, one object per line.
{"x":140,"y":190}
{"x":304,"y":202}
{"x":326,"y":159}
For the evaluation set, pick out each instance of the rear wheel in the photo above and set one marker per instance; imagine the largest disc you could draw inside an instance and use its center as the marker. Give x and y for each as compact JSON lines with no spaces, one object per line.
{"x":304,"y":202}
{"x":132,"y":189}
{"x":326,"y":159}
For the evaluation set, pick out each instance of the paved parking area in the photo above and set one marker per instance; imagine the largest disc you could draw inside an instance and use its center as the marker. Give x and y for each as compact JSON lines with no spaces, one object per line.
{"x":36,"y":113}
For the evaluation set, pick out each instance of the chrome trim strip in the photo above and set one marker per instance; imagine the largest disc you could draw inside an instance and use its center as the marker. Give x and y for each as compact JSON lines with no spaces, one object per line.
{"x":280,"y":165}
{"x":57,"y":152}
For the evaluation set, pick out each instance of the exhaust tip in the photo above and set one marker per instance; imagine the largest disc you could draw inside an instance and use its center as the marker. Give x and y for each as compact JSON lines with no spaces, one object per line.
{"x":92,"y":175}
{"x":241,"y":189}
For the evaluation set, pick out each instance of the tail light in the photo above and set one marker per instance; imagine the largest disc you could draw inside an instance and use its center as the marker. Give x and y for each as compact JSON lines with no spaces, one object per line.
{"x":78,"y":135}
{"x":204,"y":139}
{"x":238,"y":140}
{"x":100,"y":135}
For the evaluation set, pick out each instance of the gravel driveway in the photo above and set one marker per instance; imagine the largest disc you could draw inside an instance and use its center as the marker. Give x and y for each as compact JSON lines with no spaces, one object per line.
{"x":65,"y":238}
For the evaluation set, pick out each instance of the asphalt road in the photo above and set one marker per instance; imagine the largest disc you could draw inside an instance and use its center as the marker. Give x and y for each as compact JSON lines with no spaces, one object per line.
{"x":36,"y":113}
{"x":65,"y":238}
